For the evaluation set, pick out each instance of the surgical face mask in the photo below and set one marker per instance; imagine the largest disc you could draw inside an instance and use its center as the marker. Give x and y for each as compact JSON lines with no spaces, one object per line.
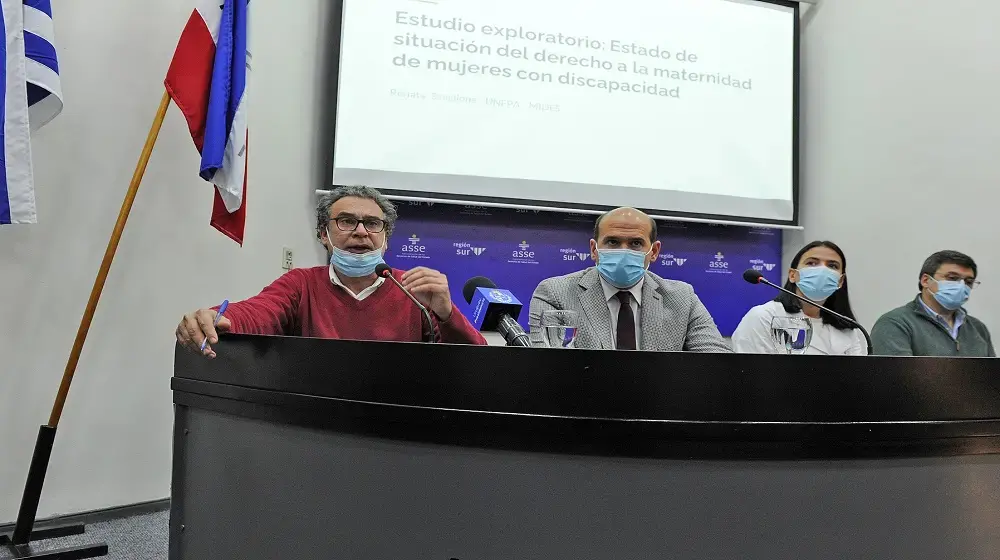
{"x":355,"y":265}
{"x":952,"y":294}
{"x":818,"y":282}
{"x":622,"y":268}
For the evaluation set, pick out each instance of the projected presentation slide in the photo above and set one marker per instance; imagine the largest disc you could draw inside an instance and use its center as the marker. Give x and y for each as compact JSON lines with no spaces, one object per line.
{"x":683,"y":106}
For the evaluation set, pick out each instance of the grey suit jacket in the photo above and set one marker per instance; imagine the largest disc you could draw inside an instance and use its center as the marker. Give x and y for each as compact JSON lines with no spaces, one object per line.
{"x":672,"y":316}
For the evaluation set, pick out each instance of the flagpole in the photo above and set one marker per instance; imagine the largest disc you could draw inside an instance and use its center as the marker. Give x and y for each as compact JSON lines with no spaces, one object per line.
{"x":109,"y":255}
{"x":23,"y":528}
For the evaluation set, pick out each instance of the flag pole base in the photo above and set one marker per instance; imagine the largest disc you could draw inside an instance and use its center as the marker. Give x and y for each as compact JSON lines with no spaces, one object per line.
{"x":24,"y":552}
{"x":18,"y":541}
{"x":43,"y":533}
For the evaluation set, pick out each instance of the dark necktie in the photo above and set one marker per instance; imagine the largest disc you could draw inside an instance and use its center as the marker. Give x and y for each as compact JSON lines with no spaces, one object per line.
{"x":626,"y":322}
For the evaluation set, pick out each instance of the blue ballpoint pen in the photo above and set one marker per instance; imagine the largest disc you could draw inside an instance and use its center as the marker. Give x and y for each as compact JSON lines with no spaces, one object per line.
{"x":222,"y":309}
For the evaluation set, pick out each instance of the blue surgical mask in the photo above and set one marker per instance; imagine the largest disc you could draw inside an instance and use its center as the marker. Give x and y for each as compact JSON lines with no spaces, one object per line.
{"x":818,"y":282}
{"x":356,"y":265}
{"x":952,"y":294}
{"x":622,"y":268}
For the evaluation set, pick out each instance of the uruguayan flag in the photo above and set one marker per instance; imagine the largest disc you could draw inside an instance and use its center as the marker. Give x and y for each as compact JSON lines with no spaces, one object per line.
{"x":31,"y":78}
{"x":40,"y":65}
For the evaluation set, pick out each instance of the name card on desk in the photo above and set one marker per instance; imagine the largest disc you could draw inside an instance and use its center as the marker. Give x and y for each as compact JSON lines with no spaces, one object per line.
{"x":488,"y":304}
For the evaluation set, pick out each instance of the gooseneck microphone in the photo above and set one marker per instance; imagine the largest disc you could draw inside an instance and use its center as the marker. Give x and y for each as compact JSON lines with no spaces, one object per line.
{"x":385,"y":271}
{"x":492,"y":309}
{"x":755,"y":277}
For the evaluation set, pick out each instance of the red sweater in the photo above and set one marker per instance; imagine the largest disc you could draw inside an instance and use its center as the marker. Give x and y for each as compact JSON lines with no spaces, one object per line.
{"x":304,"y":302}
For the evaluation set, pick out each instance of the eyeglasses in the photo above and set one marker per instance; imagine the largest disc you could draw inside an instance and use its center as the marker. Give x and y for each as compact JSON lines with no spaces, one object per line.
{"x":972,"y":283}
{"x":350,"y":223}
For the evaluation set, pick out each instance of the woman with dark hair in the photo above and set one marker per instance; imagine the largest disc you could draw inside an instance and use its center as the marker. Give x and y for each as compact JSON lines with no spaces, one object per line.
{"x":818,"y":273}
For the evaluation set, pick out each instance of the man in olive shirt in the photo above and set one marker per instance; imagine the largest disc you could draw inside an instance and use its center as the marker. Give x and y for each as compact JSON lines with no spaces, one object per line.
{"x":935,"y":323}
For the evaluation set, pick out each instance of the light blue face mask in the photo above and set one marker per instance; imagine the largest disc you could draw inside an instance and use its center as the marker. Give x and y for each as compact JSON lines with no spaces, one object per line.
{"x":818,"y":282}
{"x":355,"y":265}
{"x":622,"y":268}
{"x":952,"y":294}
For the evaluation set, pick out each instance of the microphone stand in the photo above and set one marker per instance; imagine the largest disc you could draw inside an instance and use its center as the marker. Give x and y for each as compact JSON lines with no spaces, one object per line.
{"x":512,"y":332}
{"x":868,"y":337}
{"x":429,"y":335}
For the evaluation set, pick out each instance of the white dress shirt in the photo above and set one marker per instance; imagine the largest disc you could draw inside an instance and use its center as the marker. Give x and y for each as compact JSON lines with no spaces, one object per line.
{"x":753,"y":335}
{"x":360,"y":295}
{"x":614,"y":305}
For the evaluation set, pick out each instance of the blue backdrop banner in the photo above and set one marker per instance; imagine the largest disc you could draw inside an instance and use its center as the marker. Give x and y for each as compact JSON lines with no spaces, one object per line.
{"x":517,"y":249}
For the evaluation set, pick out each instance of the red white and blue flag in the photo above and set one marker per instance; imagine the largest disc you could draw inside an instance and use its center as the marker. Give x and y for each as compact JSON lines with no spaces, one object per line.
{"x":30,"y":97}
{"x":207,"y":80}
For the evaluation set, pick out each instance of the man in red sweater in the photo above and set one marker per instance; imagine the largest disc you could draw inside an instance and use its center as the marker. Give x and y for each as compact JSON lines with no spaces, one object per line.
{"x":345,"y":299}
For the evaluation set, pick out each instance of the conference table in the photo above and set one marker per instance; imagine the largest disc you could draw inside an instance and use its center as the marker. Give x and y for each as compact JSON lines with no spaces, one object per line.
{"x":304,"y":448}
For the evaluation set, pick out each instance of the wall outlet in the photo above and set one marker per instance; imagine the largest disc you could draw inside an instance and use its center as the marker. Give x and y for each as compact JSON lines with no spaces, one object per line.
{"x":286,"y":258}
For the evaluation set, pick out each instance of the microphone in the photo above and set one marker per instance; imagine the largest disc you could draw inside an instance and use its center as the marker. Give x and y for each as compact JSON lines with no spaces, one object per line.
{"x":756,"y":277}
{"x":385,"y":271}
{"x":495,"y":309}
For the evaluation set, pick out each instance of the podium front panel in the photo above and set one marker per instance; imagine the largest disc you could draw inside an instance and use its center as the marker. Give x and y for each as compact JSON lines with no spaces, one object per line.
{"x":278,"y":453}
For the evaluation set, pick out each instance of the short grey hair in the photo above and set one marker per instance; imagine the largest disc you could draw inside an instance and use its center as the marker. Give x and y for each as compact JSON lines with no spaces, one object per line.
{"x":357,"y":191}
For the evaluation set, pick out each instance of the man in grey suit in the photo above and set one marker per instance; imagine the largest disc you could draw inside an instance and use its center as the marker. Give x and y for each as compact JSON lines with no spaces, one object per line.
{"x":620,"y":303}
